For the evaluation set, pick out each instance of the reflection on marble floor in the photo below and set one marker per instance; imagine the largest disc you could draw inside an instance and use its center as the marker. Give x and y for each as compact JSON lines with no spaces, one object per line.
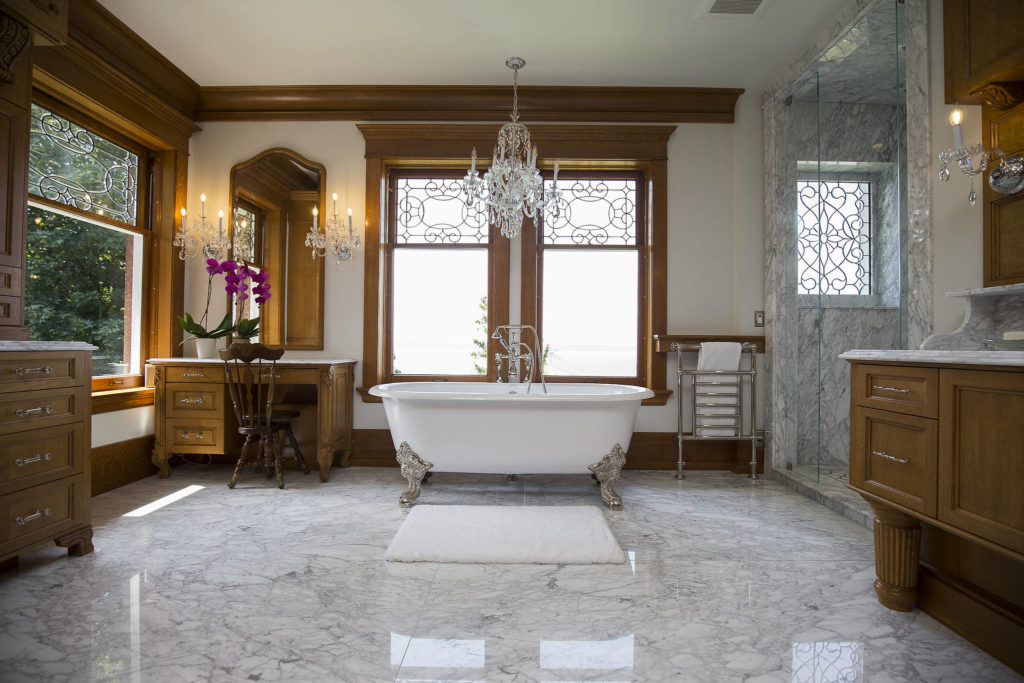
{"x":727,"y":581}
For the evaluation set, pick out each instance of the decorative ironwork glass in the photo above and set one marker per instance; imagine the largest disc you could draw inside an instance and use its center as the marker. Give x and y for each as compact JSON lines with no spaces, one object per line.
{"x":828,"y":661}
{"x":432,"y":211}
{"x":593,"y":211}
{"x":834,"y":237}
{"x":74,"y":166}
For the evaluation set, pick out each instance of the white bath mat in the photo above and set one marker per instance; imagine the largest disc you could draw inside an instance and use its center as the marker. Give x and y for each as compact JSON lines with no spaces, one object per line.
{"x":490,"y":534}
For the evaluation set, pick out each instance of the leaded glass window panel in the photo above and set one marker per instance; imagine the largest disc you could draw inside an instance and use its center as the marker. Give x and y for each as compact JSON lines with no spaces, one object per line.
{"x":74,"y":166}
{"x":434,"y":211}
{"x":834,"y":237}
{"x":593,"y":211}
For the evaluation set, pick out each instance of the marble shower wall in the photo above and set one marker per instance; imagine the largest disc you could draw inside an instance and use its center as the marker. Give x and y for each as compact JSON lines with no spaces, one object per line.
{"x":851,"y":132}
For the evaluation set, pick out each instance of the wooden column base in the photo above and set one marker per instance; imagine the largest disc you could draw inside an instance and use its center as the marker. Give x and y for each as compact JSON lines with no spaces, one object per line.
{"x":78,"y":542}
{"x":897,"y":549}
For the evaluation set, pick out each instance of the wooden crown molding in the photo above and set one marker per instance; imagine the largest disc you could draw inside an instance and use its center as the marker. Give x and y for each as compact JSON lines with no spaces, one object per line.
{"x":112,"y":74}
{"x":466,"y":103}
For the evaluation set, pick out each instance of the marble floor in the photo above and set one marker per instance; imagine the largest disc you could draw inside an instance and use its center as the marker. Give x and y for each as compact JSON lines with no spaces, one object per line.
{"x":726,"y":582}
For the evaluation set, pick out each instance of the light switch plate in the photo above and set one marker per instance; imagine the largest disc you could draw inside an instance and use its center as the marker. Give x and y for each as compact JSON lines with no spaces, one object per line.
{"x":758,"y":318}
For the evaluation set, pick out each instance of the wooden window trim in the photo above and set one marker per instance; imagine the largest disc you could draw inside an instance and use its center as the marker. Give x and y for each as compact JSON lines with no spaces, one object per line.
{"x":616,"y":147}
{"x":532,"y":292}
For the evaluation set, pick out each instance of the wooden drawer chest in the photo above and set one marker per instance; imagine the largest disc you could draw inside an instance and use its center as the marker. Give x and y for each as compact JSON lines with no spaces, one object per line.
{"x":45,"y":416}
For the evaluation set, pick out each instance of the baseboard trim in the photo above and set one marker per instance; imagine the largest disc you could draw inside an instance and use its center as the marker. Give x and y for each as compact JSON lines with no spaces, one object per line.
{"x":121,"y":463}
{"x":647,"y":451}
{"x":996,"y":628}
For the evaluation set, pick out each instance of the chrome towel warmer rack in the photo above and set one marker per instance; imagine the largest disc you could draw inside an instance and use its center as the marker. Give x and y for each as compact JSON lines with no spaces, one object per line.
{"x":717,"y":383}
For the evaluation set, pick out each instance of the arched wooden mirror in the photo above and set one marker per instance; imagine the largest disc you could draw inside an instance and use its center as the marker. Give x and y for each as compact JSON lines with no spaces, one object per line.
{"x":273,"y":195}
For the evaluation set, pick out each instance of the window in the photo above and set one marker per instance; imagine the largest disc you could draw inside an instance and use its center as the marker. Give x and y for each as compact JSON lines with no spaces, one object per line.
{"x":424,"y":275}
{"x":834,"y":237}
{"x":84,"y":247}
{"x":438,"y":256}
{"x":591,"y":272}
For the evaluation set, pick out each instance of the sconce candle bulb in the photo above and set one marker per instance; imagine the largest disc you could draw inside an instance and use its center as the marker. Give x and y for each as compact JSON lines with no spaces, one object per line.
{"x":955,"y":117}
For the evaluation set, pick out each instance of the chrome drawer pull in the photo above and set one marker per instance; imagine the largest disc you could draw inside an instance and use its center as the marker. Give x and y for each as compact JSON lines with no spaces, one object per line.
{"x":882,"y":454}
{"x":192,"y":374}
{"x":117,"y":381}
{"x":190,"y":435}
{"x":268,"y":373}
{"x":33,"y":371}
{"x":898,"y":391}
{"x":22,"y":521}
{"x":21,"y":462}
{"x":41,"y":410}
{"x":190,"y":401}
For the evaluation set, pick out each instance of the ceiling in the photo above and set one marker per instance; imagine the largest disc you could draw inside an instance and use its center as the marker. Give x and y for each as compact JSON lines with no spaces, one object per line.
{"x":458,"y":42}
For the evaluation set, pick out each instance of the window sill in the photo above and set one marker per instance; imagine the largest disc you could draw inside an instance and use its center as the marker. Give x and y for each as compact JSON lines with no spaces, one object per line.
{"x":121,"y":399}
{"x":661,"y":397}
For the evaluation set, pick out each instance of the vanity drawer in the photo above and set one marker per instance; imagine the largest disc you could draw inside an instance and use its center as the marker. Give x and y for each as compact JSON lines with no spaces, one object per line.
{"x":283,"y":375}
{"x":913,"y":391}
{"x":26,"y":410}
{"x":193,"y":399}
{"x":42,"y":512}
{"x":213,"y":372}
{"x":895,"y":456}
{"x":39,"y":369}
{"x":191,"y":435}
{"x":41,"y":455}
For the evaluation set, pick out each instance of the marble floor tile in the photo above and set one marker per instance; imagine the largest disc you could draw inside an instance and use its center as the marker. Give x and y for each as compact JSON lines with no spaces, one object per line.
{"x":726,"y":581}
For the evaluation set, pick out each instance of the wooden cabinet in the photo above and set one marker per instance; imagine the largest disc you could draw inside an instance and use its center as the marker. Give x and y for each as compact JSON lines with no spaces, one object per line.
{"x":981,"y":47}
{"x":44,"y":447}
{"x":943,"y":444}
{"x":981,"y":455}
{"x":194,"y":413}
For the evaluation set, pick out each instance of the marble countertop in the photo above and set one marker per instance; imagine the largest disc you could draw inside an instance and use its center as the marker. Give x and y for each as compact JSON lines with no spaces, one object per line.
{"x":1005,"y":358}
{"x":1001,"y":290}
{"x":283,"y":361}
{"x":45,"y":346}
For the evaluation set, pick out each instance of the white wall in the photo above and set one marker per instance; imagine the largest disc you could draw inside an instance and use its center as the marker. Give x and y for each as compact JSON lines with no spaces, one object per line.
{"x":108,"y":428}
{"x":716,"y":245}
{"x":956,"y":226}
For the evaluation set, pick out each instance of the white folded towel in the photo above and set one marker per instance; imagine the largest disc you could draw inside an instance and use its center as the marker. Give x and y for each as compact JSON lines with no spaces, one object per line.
{"x":719,"y":356}
{"x":713,"y":410}
{"x":716,"y":421}
{"x":718,"y":399}
{"x":718,"y":378}
{"x":716,"y":431}
{"x":717,"y":389}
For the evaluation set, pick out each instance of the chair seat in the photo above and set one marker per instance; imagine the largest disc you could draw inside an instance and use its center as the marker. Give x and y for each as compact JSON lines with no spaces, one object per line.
{"x":284,"y":414}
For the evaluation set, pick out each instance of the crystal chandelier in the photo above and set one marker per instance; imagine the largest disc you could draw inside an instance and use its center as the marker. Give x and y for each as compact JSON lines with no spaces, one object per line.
{"x":242,"y":246}
{"x":1006,"y":178}
{"x":202,"y":236}
{"x":512,"y":187}
{"x":334,"y":238}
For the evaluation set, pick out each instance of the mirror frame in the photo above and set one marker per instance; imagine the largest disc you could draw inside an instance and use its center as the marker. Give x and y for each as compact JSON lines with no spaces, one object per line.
{"x":273,"y":327}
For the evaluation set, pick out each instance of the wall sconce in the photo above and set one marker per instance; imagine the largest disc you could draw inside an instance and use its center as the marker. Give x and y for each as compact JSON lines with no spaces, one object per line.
{"x":335,"y":238}
{"x":1006,"y":178}
{"x":202,"y":236}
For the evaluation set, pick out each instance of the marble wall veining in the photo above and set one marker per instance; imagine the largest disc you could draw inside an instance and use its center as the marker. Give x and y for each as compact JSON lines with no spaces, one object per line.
{"x":842,"y":329}
{"x":870,"y":132}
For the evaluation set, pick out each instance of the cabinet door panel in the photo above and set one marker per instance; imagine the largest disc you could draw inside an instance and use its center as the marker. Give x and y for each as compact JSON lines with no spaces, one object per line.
{"x":981,"y":454}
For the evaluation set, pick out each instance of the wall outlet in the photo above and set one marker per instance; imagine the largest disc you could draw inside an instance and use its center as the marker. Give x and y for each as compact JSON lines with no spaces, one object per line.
{"x":758,"y":318}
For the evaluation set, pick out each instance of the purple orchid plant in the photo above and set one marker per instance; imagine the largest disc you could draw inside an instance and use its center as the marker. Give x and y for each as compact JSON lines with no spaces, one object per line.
{"x":237,"y":279}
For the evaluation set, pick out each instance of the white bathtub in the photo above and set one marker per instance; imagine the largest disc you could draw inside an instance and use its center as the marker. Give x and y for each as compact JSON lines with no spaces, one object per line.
{"x":501,"y":429}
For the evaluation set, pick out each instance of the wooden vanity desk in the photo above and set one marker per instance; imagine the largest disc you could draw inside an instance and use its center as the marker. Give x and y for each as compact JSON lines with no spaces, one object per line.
{"x":194,"y":413}
{"x":937,"y":437}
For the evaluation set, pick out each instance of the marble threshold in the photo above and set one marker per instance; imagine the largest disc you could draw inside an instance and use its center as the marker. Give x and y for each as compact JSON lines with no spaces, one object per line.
{"x":727,"y":580}
{"x":827,"y":486}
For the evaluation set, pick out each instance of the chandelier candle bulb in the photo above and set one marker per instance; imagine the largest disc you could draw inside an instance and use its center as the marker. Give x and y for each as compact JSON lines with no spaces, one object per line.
{"x":183,"y":219}
{"x":335,"y":198}
{"x":314,"y":218}
{"x":472,"y":168}
{"x":202,"y":205}
{"x":350,"y":221}
{"x":220,"y":222}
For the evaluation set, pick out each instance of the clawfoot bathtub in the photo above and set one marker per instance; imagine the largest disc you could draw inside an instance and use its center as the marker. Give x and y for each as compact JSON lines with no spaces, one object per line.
{"x":497,"y":428}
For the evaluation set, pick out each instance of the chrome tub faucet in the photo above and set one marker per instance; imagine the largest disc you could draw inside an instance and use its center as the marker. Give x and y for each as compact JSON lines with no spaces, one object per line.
{"x":518,"y":351}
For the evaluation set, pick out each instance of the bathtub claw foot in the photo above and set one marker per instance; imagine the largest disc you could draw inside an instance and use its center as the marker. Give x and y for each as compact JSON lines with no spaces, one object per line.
{"x":414,"y":469}
{"x":606,"y":471}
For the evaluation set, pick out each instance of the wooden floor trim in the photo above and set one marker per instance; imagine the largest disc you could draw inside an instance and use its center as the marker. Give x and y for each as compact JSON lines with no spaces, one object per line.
{"x":121,"y":463}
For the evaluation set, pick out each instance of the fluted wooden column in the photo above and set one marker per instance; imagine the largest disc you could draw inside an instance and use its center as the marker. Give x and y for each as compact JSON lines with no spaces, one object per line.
{"x":897,"y":548}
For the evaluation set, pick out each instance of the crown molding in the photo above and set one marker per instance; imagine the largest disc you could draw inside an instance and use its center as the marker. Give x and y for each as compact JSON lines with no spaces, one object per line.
{"x":466,"y":103}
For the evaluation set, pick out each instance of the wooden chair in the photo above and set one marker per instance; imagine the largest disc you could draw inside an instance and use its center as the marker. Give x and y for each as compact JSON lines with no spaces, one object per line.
{"x":251,"y":371}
